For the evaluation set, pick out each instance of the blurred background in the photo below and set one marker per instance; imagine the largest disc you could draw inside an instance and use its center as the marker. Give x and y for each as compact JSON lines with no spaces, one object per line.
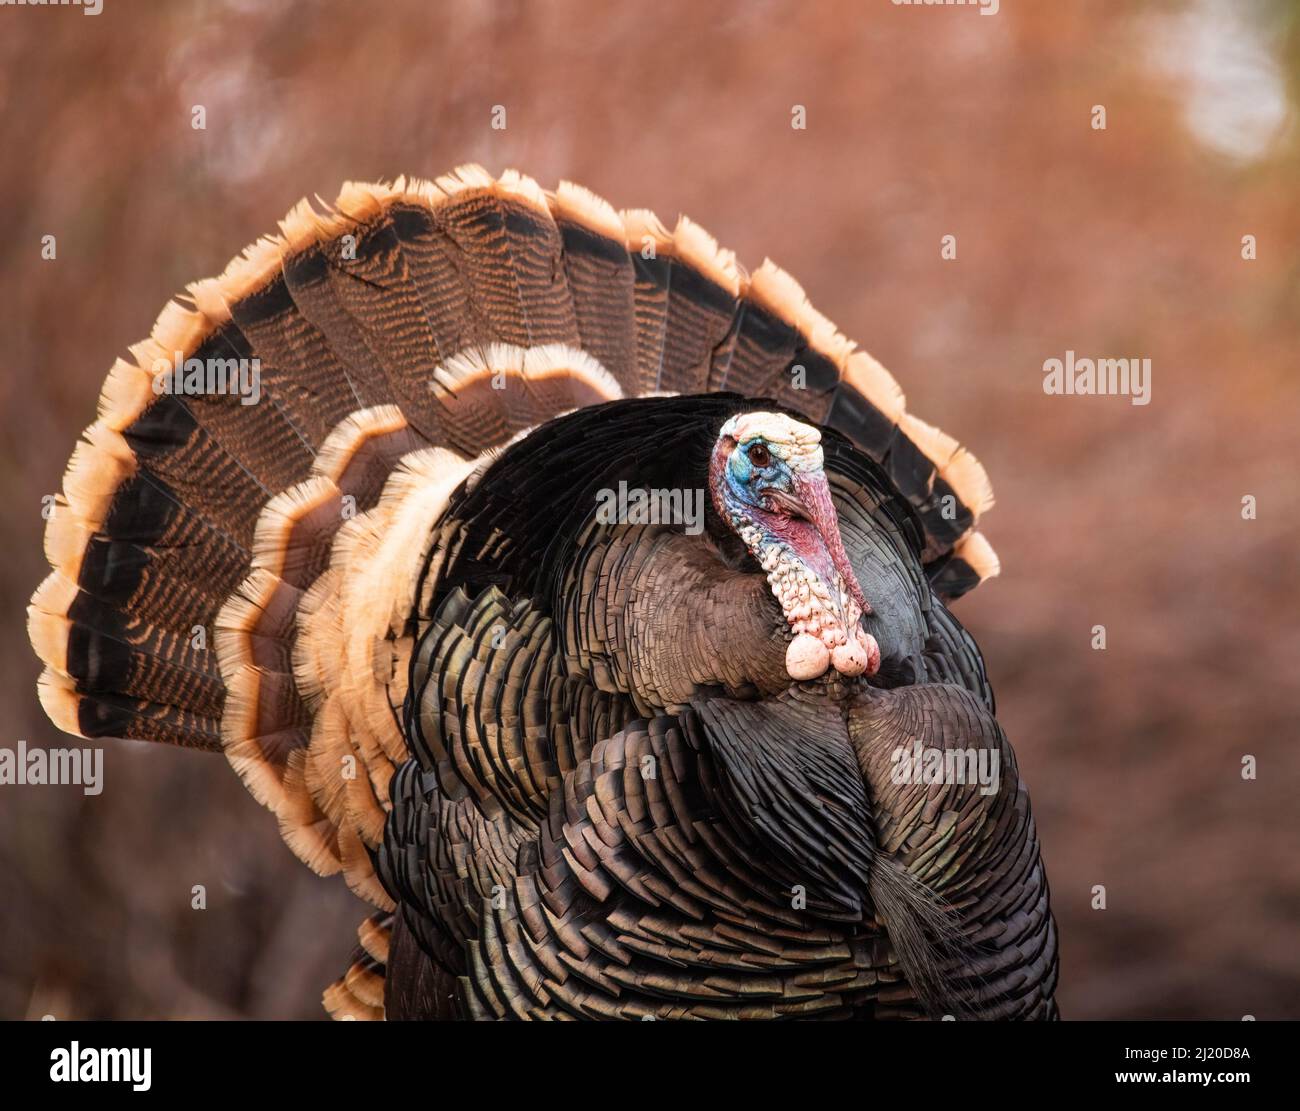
{"x":922,"y":122}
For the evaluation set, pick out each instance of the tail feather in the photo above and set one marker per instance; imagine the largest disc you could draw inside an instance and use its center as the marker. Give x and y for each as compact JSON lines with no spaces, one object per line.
{"x":196,"y":368}
{"x":650,"y":246}
{"x":766,"y":337}
{"x":94,"y":714}
{"x":116,"y":653}
{"x":703,"y":283}
{"x":189,"y":467}
{"x":601,"y":278}
{"x":368,"y":277}
{"x":297,"y":361}
{"x":516,"y":250}
{"x":314,"y":285}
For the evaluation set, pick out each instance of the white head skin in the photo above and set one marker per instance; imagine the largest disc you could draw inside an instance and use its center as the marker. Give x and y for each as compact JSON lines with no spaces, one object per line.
{"x":767,"y":482}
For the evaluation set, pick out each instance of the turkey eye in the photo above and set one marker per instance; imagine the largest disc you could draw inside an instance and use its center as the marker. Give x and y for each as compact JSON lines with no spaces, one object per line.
{"x":759,"y":455}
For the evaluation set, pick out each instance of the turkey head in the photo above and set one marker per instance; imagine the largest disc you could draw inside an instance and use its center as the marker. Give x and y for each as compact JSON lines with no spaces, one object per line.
{"x":767,"y":482}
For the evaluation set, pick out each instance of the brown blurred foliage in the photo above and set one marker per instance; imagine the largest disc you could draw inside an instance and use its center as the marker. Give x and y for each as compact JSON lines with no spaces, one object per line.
{"x":922,"y":122}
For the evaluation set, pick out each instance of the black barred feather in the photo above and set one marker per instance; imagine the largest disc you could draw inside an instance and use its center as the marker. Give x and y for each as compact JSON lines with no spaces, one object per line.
{"x":376,"y":286}
{"x":322,"y":290}
{"x":297,"y":361}
{"x":762,"y":353}
{"x":432,"y":257}
{"x":601,"y":277}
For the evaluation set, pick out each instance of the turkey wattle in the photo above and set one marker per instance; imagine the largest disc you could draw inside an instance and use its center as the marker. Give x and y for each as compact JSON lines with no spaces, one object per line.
{"x":582,"y":767}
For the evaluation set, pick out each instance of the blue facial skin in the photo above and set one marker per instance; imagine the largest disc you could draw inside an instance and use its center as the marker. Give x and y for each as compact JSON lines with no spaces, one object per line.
{"x":746,"y":482}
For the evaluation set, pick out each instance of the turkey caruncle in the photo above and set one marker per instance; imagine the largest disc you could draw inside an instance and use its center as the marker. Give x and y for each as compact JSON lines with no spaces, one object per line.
{"x":582,"y":768}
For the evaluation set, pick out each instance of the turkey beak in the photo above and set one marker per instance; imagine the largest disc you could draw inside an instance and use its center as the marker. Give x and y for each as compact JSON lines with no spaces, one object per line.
{"x":814,"y":494}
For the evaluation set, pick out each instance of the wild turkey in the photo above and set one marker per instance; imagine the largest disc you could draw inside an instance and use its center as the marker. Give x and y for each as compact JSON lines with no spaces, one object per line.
{"x":583,"y":766}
